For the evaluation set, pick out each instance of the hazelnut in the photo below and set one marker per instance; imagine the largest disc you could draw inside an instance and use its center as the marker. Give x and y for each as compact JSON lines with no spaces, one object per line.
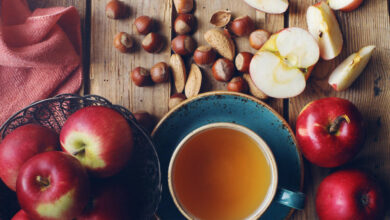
{"x":115,"y":9}
{"x":153,"y":42}
{"x":175,"y":100}
{"x":183,"y":6}
{"x":238,"y":84}
{"x":204,"y":55}
{"x":223,"y":70}
{"x":242,"y":26}
{"x":145,"y":119}
{"x":184,"y":23}
{"x":183,"y":45}
{"x":123,"y":42}
{"x":221,"y":18}
{"x":258,"y":38}
{"x":243,"y":61}
{"x":160,"y":72}
{"x":143,"y":24}
{"x":141,"y":77}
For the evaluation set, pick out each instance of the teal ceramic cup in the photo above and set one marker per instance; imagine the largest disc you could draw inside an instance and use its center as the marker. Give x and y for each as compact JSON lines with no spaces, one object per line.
{"x":283,"y":196}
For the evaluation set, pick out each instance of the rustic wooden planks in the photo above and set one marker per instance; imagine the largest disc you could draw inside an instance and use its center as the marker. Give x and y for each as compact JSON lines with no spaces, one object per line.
{"x":367,"y":25}
{"x":109,"y":72}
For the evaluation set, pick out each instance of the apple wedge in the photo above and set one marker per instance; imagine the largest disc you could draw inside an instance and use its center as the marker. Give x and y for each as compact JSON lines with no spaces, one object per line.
{"x":269,"y":6}
{"x":349,"y":70}
{"x":345,"y":5}
{"x":323,"y":25}
{"x":280,"y":68}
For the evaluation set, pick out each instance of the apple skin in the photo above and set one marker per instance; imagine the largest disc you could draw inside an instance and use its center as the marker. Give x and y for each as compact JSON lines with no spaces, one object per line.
{"x":62,"y":191}
{"x":110,"y":200}
{"x":102,"y":137}
{"x":21,"y":215}
{"x":349,"y":194}
{"x":321,"y":146}
{"x":22,"y":144}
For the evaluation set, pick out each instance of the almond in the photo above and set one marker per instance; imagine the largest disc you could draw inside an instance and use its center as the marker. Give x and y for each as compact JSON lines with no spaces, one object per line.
{"x":253,"y":90}
{"x":178,"y":71}
{"x":221,"y":42}
{"x":194,"y":82}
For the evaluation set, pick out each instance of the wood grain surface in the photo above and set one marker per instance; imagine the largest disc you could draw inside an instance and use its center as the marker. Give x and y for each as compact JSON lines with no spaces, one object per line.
{"x":108,"y":70}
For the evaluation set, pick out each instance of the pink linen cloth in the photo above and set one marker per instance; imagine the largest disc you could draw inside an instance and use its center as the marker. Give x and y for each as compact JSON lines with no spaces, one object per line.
{"x":40,"y":54}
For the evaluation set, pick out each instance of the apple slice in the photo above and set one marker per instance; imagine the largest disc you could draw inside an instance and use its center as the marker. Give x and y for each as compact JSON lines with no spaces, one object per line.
{"x":280,"y":68}
{"x":349,"y":70}
{"x":345,"y":5}
{"x":323,"y":25}
{"x":269,"y":6}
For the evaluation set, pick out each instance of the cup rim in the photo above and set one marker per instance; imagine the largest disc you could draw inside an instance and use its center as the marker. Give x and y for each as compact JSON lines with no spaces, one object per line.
{"x":261,"y":144}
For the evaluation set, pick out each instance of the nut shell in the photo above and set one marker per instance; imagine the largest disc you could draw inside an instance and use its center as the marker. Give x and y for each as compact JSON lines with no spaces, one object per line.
{"x":183,"y":45}
{"x":153,"y":43}
{"x":160,"y":72}
{"x":221,"y":18}
{"x":144,"y":24}
{"x":223,"y":70}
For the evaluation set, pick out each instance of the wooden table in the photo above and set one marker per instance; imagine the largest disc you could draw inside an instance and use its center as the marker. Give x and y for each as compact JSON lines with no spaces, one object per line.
{"x":107,"y":71}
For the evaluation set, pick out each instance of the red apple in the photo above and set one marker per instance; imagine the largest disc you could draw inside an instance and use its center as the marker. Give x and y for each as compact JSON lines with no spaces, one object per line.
{"x":21,"y":215}
{"x":349,"y":194}
{"x":330,"y":131}
{"x":52,"y":185}
{"x":22,"y":144}
{"x":110,"y":200}
{"x":100,"y":138}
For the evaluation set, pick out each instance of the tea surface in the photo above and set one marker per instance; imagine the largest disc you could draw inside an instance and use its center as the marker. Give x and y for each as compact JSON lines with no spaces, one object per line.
{"x":221,"y":173}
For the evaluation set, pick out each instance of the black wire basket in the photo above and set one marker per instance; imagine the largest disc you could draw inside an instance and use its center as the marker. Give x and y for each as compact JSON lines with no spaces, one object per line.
{"x":143,"y":170}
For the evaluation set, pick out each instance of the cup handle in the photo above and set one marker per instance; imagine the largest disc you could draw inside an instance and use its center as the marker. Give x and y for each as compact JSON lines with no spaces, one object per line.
{"x":291,"y":199}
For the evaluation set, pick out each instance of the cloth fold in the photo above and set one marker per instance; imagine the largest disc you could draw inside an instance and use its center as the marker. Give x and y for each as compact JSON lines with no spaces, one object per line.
{"x":40,"y":54}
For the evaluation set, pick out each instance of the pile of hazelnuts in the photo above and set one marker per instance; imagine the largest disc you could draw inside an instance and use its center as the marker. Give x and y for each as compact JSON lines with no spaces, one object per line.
{"x":183,"y":44}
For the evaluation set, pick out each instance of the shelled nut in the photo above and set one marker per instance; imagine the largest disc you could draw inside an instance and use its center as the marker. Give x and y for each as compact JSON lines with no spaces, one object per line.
{"x":258,"y":38}
{"x":183,"y":45}
{"x":238,"y":84}
{"x":243,"y":61}
{"x":184,"y":23}
{"x":123,"y":42}
{"x":223,"y":70}
{"x":116,"y":9}
{"x":153,"y":43}
{"x":141,"y":77}
{"x":175,"y":100}
{"x":160,"y":72}
{"x":242,"y":26}
{"x":205,"y":55}
{"x":143,"y":24}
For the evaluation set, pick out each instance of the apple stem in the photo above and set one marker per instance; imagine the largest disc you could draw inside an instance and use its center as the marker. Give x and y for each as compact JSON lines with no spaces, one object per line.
{"x":81,"y":150}
{"x":335,"y":125}
{"x":43,"y":181}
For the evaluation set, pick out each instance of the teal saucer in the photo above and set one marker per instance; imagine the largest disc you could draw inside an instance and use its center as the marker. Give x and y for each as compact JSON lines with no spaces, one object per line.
{"x":236,"y":108}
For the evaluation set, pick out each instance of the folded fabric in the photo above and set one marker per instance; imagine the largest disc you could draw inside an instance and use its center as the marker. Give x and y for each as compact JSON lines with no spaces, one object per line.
{"x":40,"y":54}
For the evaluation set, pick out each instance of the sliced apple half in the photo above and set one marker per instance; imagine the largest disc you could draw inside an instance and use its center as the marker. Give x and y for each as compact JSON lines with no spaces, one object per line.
{"x":350,"y":69}
{"x":269,"y":6}
{"x":280,"y":68}
{"x":345,"y":5}
{"x":323,"y":25}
